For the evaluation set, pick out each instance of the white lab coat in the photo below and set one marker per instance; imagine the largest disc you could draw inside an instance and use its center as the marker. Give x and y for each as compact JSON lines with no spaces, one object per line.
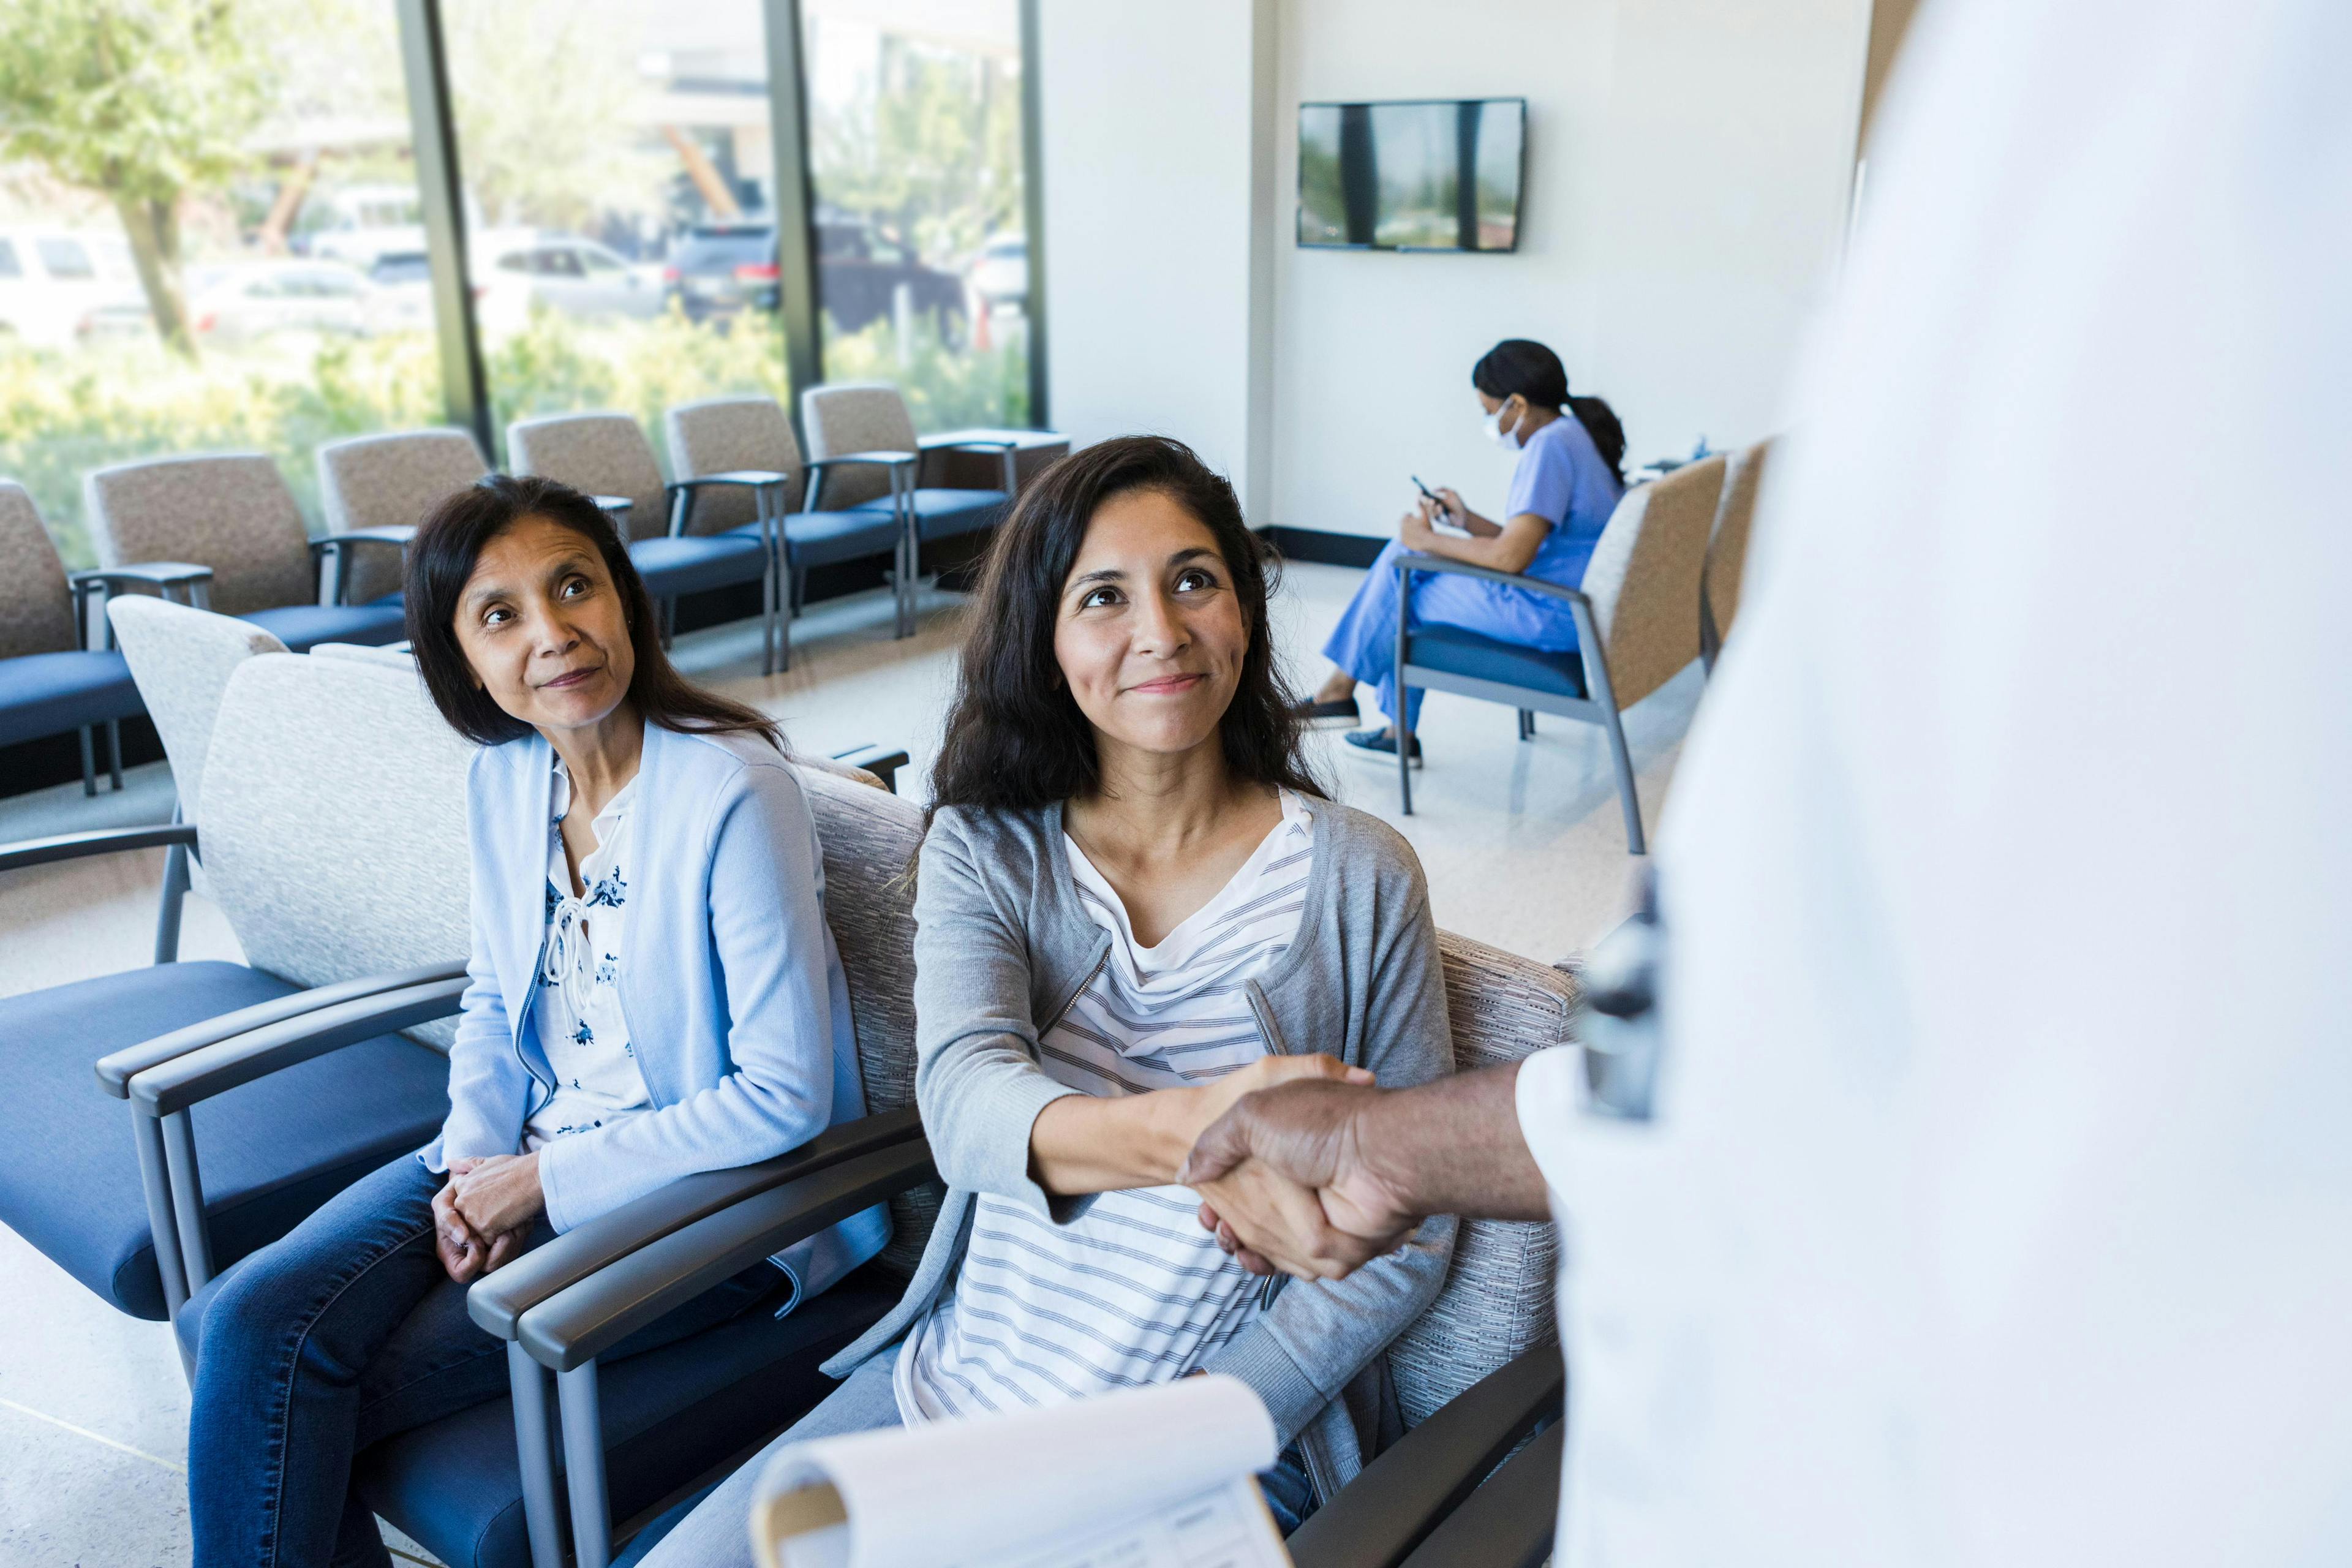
{"x":1998,"y":1206}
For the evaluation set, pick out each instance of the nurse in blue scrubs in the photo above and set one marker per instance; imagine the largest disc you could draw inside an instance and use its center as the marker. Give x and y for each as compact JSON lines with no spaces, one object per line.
{"x":1567,"y":483}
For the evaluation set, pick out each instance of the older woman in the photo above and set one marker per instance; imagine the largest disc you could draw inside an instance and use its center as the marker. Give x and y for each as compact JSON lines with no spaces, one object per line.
{"x":654,"y":992}
{"x":1135,"y":905}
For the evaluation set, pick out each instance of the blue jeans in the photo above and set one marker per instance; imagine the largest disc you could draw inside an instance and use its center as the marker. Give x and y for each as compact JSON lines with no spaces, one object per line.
{"x":712,"y":1528}
{"x":1364,"y":642}
{"x":338,"y":1334}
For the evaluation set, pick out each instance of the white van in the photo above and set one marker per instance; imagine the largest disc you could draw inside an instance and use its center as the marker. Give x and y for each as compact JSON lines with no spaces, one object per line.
{"x":52,"y":280}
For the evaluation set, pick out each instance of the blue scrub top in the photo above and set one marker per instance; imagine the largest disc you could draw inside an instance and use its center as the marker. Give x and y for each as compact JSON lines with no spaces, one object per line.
{"x":1561,"y":477}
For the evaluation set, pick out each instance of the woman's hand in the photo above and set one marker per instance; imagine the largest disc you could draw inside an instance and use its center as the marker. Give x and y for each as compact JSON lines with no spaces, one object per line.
{"x":497,"y":1196}
{"x":463,"y":1257}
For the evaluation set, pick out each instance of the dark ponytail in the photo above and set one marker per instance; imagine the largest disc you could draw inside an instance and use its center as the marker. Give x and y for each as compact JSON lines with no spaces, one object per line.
{"x":1522,"y":368}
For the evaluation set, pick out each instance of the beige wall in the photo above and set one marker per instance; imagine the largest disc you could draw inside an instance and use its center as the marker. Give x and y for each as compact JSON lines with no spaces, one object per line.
{"x":1689,"y":167}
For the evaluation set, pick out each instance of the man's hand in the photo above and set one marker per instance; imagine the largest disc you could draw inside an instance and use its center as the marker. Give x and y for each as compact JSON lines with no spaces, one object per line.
{"x":497,"y":1194}
{"x":1287,"y":1183}
{"x":1414,"y":529}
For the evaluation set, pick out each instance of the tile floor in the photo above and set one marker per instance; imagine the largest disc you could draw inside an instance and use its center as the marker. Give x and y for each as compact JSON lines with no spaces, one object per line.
{"x":1522,"y":842}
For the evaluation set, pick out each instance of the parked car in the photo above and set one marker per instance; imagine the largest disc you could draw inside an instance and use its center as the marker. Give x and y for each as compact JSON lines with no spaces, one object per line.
{"x":513,"y":271}
{"x":724,"y":268}
{"x":399,"y":296}
{"x":1001,"y":275}
{"x":360,"y":224}
{"x":243,"y":302}
{"x":53,"y":280}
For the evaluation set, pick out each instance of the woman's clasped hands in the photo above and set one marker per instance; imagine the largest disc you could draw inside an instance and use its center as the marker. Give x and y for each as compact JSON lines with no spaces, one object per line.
{"x":482,"y":1216}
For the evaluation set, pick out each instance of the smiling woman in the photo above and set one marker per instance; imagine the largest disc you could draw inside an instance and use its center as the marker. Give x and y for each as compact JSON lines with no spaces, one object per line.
{"x":1134,"y":906}
{"x":654,"y":992}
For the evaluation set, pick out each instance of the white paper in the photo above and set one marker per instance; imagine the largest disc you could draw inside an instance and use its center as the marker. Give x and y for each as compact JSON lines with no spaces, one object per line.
{"x":1158,"y":1478}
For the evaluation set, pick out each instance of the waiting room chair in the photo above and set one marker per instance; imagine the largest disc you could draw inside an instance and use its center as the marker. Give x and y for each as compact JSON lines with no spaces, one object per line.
{"x":872,"y":419}
{"x":608,"y":457}
{"x":52,"y":677}
{"x":332,"y":836}
{"x":233,"y":512}
{"x":384,"y":486}
{"x":1636,"y":627}
{"x":639,"y":1434}
{"x":744,"y":447}
{"x":1727,"y":550}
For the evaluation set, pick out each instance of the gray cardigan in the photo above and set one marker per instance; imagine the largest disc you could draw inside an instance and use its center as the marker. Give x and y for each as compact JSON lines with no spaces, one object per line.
{"x":1002,"y":947}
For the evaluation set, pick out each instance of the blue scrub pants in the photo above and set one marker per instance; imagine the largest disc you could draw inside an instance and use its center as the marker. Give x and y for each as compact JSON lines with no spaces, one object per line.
{"x":1364,"y":642}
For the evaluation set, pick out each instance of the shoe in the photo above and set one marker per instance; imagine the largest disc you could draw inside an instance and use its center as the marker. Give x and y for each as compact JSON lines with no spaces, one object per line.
{"x":1379,"y":745}
{"x":1337,"y":711}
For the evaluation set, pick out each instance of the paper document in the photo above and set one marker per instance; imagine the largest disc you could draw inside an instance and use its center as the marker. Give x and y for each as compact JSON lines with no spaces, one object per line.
{"x":1158,"y":1478}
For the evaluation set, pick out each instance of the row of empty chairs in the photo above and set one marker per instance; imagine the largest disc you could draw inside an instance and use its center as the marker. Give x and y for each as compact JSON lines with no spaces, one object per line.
{"x":223,"y":532}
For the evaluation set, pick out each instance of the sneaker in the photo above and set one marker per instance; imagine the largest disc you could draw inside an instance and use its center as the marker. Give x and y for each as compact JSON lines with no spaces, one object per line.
{"x":1379,"y":745}
{"x":1337,"y":711}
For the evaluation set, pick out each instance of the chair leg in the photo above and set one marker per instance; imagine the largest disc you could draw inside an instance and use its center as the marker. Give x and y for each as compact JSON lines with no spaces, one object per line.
{"x":1527,"y":724}
{"x":1634,"y":843}
{"x":1404,"y":749}
{"x":527,"y":1384}
{"x":114,"y":750}
{"x":167,"y":907}
{"x":88,"y":763}
{"x":583,"y":1467}
{"x":768,"y":621}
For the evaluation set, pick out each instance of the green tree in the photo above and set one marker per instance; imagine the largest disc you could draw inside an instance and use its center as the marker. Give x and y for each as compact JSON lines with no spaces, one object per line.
{"x":931,"y":147}
{"x":140,"y":101}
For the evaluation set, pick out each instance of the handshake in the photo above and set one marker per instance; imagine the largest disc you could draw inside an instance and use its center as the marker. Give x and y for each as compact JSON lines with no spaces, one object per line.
{"x":1322,"y":1172}
{"x":1286,"y":1184}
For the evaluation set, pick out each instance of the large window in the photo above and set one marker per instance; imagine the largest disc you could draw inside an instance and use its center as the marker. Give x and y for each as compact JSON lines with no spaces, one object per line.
{"x":914,"y":110}
{"x":620,"y":198}
{"x":209,"y":238}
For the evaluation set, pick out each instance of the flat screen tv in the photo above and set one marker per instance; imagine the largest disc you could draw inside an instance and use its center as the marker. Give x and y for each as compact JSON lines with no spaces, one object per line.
{"x":1411,"y":175}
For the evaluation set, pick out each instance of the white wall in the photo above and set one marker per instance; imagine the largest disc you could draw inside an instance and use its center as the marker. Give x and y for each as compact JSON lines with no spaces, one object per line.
{"x":1157,"y":125}
{"x":1687,"y":174}
{"x":1688,"y":163}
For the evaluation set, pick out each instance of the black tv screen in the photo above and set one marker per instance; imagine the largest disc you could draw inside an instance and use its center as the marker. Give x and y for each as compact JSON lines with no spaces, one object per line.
{"x":1414,"y":175}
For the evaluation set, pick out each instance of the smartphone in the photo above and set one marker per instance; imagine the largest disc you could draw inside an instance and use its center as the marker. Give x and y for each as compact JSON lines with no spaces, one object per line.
{"x":1432,"y":494}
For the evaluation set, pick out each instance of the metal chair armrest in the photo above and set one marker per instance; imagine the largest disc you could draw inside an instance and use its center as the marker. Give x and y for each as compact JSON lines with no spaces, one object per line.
{"x":498,"y":1301}
{"x":199,"y":1074}
{"x":577,"y":1323}
{"x":1509,"y":1523}
{"x":396,"y":535}
{"x":162,"y":573}
{"x":116,"y":1069}
{"x":619,"y":506}
{"x":952,"y":442}
{"x":754,"y":478}
{"x":1379,"y":1519}
{"x":877,"y":459}
{"x":29,"y":852}
{"x":882,"y":762}
{"x":1411,"y":563}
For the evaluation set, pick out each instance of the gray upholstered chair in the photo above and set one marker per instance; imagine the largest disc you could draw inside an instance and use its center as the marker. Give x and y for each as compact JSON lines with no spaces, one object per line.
{"x":1727,"y":548}
{"x":607,"y":456}
{"x":748,"y":441}
{"x":332,"y":835}
{"x":871,"y":419}
{"x":385,"y":485}
{"x":232,"y":511}
{"x":1636,"y":627}
{"x":52,"y":680}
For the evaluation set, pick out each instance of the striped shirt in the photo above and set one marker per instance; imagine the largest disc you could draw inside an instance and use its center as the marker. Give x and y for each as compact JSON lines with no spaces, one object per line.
{"x":1133,"y":1292}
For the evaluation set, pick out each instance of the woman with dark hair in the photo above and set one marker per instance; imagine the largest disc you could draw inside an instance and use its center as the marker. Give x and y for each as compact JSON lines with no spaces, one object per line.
{"x":1134,"y":906}
{"x":654,"y":992}
{"x":1568,"y":479}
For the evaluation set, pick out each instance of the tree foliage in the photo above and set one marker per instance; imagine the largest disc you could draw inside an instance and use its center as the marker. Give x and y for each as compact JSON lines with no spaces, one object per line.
{"x":140,"y":101}
{"x":929,"y":147}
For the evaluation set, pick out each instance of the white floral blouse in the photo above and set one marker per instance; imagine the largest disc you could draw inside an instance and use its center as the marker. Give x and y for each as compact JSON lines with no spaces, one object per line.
{"x":581,"y":1030}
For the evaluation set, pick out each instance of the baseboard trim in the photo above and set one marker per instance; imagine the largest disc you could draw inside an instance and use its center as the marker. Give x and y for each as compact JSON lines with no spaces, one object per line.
{"x":1323,"y":547}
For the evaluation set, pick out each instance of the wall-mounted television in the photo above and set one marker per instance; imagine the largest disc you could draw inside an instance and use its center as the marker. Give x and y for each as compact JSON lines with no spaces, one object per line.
{"x":1411,"y":175}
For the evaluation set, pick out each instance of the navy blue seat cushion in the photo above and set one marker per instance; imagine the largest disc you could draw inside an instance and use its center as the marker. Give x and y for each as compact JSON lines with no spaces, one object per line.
{"x":689,"y":565}
{"x":270,"y":1151}
{"x":822,"y":538}
{"x":670,"y":1417}
{"x":1458,"y":651}
{"x":302,"y":627}
{"x":942,"y":514}
{"x":49,"y":693}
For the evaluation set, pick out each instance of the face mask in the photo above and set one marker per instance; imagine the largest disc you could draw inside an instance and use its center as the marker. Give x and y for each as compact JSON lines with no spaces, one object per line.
{"x":1497,"y":434}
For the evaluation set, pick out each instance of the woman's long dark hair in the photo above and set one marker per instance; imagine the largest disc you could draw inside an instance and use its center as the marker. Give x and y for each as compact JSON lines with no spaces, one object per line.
{"x":441,"y":561}
{"x":1523,"y":367}
{"x":1015,"y":739}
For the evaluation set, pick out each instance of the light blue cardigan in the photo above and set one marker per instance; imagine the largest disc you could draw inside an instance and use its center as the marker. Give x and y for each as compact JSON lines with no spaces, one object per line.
{"x":729,"y":981}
